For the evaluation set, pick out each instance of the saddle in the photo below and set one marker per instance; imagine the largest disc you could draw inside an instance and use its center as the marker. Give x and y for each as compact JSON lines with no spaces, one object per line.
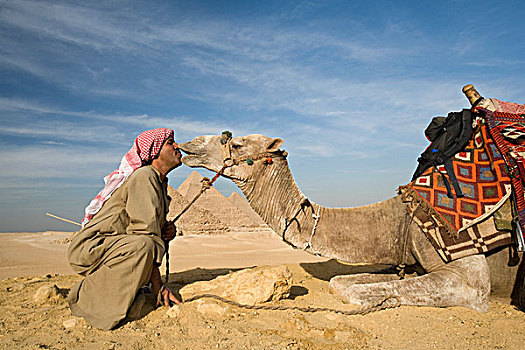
{"x":487,"y":173}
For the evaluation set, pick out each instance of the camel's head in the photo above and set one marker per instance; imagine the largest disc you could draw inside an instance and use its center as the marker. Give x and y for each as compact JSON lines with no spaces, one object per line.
{"x":238,"y":154}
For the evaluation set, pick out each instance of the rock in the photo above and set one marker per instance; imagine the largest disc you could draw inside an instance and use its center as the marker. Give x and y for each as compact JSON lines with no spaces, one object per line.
{"x":72,"y":322}
{"x":173,"y":311}
{"x":49,"y":294}
{"x":16,"y":287}
{"x":331,"y":317}
{"x":209,"y":307}
{"x":249,"y":286}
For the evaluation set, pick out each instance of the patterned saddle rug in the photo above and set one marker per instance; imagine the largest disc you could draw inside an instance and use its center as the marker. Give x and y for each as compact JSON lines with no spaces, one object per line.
{"x":486,"y":182}
{"x":507,"y":127}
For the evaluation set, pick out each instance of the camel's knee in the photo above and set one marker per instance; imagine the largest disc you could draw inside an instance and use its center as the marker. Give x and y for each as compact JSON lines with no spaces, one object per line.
{"x":469,"y":278}
{"x":472,"y":270}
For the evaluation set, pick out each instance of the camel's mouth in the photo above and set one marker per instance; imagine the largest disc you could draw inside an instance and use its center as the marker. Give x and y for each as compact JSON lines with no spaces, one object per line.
{"x":195,"y":161}
{"x":184,"y":147}
{"x":198,"y":153}
{"x":190,"y":154}
{"x":188,"y":151}
{"x":191,"y":159}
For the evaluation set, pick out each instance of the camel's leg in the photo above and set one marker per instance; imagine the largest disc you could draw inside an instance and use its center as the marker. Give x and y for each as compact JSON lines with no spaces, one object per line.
{"x":362,"y":278}
{"x":521,"y":296}
{"x":464,"y":282}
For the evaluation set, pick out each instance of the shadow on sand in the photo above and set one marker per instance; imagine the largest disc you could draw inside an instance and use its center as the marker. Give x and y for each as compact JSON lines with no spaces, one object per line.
{"x":327,"y":269}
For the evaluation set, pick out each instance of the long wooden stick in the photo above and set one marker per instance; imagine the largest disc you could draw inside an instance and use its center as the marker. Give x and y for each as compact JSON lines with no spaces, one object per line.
{"x":66,"y":220}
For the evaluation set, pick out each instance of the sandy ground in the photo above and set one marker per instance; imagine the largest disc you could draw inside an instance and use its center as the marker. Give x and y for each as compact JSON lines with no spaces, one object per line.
{"x":29,"y":261}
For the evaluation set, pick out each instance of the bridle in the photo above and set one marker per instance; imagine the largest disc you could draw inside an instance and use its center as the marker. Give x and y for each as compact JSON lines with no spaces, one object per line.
{"x":228,"y":162}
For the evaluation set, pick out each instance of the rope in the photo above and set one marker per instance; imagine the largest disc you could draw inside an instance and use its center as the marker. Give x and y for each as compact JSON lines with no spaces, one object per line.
{"x":206,"y":183}
{"x":166,"y":249}
{"x":381,"y":305}
{"x":253,"y":157}
{"x":316,"y":217}
{"x":406,"y":231}
{"x":288,"y":222}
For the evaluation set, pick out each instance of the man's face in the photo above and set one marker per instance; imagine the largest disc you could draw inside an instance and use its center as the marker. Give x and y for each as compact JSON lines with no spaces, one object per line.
{"x":170,"y":154}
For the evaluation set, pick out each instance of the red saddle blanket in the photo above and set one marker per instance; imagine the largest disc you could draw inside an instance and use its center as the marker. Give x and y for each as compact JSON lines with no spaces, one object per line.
{"x":507,"y":127}
{"x":451,"y":224}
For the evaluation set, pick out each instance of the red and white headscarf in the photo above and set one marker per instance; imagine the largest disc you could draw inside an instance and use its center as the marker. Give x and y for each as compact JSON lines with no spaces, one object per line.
{"x":145,"y":148}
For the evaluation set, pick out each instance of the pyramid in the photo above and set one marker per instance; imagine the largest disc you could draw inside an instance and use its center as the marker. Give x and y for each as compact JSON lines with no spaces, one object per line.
{"x":191,"y":186}
{"x":195,"y":220}
{"x":240,"y":202}
{"x":213,"y":201}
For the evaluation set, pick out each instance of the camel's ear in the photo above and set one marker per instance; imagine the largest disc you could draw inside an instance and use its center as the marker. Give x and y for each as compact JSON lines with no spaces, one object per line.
{"x":274,"y":145}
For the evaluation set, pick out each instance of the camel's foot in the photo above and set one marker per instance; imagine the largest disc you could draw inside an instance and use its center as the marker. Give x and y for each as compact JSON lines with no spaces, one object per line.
{"x":464,"y":282}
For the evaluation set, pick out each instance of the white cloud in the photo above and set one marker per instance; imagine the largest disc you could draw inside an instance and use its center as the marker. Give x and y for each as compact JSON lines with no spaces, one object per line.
{"x":77,"y":25}
{"x":98,"y":131}
{"x":27,"y":64}
{"x":57,"y":162}
{"x":252,"y":66}
{"x":327,"y":150}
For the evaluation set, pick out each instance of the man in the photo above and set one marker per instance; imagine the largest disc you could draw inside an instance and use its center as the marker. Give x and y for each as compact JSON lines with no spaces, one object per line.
{"x":120,"y":246}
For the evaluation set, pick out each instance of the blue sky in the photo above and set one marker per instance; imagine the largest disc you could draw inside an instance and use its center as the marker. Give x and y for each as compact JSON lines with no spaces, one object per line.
{"x":349,"y":86}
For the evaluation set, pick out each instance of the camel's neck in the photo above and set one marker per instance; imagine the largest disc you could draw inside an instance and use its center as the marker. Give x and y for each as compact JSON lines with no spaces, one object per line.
{"x":365,"y":234}
{"x":273,"y":194}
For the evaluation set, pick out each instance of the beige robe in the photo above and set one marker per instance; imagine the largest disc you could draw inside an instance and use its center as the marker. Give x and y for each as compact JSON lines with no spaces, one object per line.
{"x":116,"y":250}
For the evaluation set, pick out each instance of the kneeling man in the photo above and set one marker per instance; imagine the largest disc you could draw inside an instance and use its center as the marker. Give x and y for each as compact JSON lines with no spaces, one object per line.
{"x":120,"y":246}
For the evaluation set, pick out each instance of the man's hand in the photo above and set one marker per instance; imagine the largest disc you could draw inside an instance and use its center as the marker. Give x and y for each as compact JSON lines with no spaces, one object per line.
{"x":167,"y":297}
{"x":168,"y":231}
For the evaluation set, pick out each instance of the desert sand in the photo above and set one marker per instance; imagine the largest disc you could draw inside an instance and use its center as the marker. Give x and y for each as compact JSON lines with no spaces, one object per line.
{"x":224,"y":237}
{"x":29,"y":261}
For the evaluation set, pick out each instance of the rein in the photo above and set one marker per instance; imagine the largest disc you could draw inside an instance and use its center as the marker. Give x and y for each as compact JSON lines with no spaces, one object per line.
{"x":387,"y":302}
{"x":229,"y":161}
{"x":206,"y":183}
{"x":316,"y":217}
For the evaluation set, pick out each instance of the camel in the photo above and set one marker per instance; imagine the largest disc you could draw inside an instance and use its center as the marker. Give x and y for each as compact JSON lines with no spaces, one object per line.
{"x":379,"y":233}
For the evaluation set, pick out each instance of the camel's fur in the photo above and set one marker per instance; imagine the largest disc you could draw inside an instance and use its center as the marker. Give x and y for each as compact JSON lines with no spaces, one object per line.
{"x":376,"y":233}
